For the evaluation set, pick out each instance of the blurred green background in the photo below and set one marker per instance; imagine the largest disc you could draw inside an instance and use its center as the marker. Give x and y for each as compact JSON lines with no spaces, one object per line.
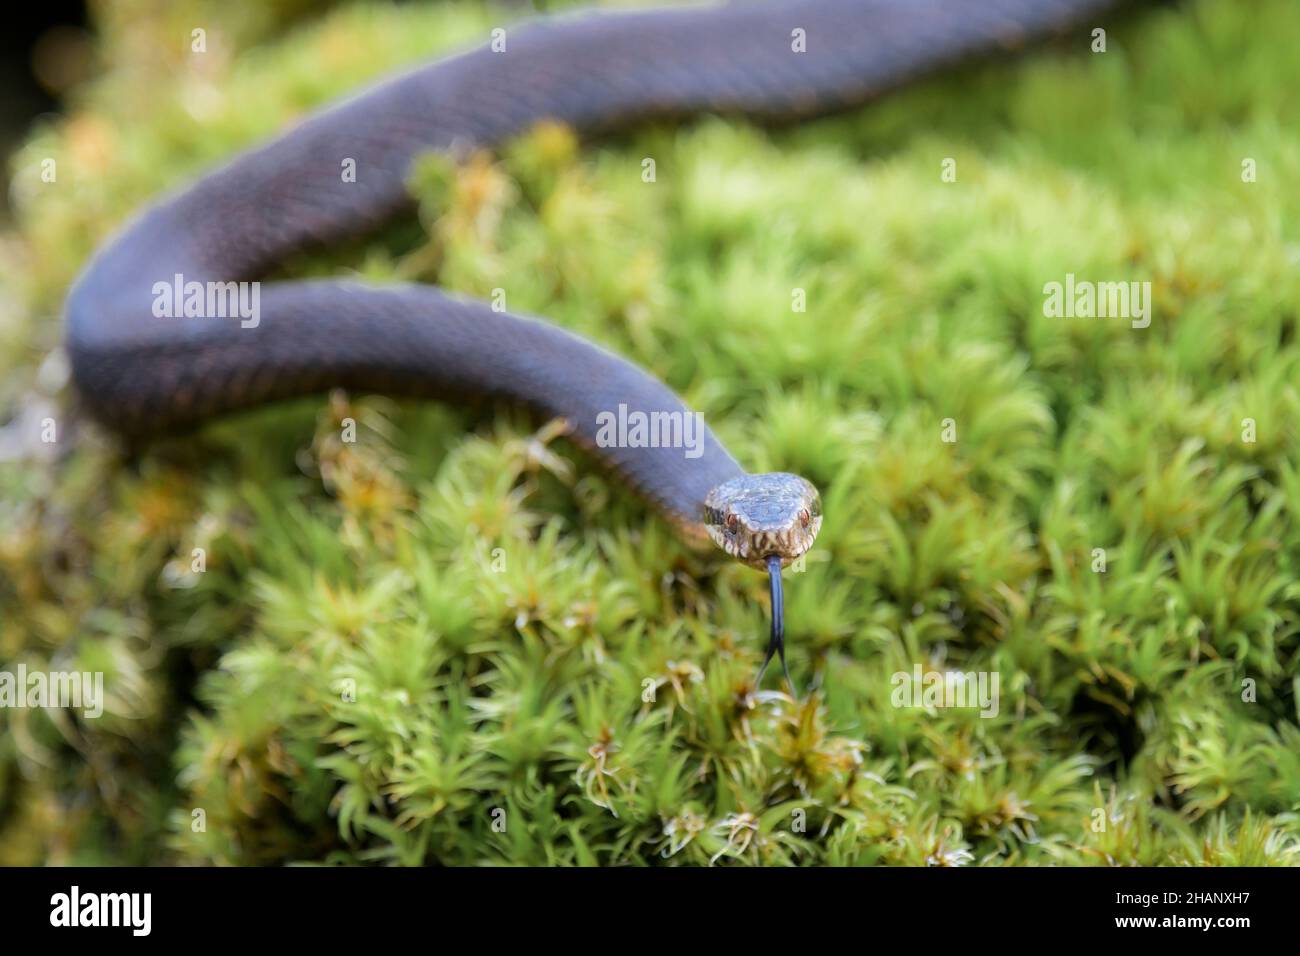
{"x":431,"y":645}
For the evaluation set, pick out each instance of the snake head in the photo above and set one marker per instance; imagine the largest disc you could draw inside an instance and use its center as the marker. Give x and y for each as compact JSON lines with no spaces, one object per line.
{"x":755,"y":517}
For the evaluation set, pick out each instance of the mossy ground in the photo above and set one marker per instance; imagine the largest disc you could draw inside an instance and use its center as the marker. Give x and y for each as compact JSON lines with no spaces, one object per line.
{"x":516,"y":686}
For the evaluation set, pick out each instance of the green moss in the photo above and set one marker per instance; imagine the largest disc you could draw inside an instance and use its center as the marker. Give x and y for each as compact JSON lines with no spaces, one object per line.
{"x":400,"y":643}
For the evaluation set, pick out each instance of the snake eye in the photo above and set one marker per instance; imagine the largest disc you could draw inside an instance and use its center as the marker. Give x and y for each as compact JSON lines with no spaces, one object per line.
{"x":732,"y":523}
{"x":805,"y":518}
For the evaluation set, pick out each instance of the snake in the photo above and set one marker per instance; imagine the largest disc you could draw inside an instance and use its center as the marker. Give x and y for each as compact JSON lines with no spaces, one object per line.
{"x":143,"y":370}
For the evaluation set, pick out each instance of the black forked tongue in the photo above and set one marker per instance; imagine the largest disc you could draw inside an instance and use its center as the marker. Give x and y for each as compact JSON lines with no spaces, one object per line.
{"x":776,"y":644}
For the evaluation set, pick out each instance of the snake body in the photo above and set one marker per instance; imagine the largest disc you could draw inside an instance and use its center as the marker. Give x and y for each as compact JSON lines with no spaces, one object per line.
{"x":139,"y":373}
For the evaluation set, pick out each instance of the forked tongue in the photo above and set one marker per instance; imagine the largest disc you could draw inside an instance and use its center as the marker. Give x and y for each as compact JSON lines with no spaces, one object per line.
{"x":776,"y":643}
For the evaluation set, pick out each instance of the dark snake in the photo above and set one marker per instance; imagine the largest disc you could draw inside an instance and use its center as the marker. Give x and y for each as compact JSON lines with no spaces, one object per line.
{"x":140,"y":374}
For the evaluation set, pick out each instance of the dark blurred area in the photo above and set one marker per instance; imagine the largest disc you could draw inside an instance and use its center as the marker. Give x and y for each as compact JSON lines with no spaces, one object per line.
{"x":45,"y":50}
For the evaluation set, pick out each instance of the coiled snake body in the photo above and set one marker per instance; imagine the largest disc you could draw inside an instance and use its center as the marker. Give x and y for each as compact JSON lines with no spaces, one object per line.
{"x":140,"y":373}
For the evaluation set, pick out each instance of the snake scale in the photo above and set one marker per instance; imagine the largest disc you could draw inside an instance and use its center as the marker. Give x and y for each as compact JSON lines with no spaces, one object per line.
{"x":771,"y":61}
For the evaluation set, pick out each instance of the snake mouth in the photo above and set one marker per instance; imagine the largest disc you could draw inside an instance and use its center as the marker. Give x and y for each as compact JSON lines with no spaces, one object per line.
{"x":785,"y":546}
{"x":759,"y":552}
